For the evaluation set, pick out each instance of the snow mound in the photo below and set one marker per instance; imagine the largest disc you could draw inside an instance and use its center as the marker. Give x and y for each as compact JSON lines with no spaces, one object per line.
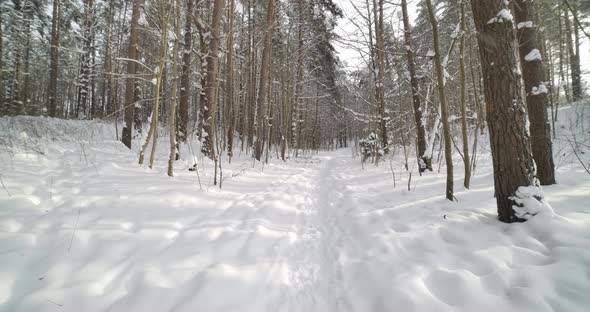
{"x":530,"y":202}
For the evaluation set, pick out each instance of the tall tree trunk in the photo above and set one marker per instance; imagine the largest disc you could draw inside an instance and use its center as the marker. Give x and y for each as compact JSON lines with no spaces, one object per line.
{"x":165,"y":9}
{"x":563,"y":81}
{"x":424,"y":159}
{"x":573,"y":47}
{"x":130,"y":93}
{"x":463,"y":79}
{"x":533,"y":72}
{"x":262,"y":89}
{"x":20,"y":9}
{"x":229,"y":92}
{"x":184,"y":100}
{"x":3,"y":110}
{"x":443,"y":102}
{"x":379,"y":83}
{"x":270,"y":108}
{"x":285,"y":112}
{"x":107,"y":100}
{"x":252,"y":77}
{"x":26,"y":94}
{"x":173,"y":154}
{"x":512,"y":159}
{"x":54,"y":59}
{"x":82,"y":108}
{"x":210,"y":105}
{"x":297,"y":110}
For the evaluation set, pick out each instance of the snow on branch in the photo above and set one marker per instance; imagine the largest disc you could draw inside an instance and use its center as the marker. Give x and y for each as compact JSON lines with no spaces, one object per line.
{"x":503,"y":16}
{"x":534,"y":55}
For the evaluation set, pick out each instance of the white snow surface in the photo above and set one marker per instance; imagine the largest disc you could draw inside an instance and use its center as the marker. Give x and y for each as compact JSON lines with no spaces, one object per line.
{"x":84,"y":228}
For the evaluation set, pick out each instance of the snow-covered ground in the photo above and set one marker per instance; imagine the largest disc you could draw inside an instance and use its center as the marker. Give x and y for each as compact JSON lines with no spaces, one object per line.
{"x":84,"y":228}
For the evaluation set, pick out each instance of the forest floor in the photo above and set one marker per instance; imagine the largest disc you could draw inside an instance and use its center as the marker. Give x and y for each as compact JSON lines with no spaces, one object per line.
{"x":84,"y":228}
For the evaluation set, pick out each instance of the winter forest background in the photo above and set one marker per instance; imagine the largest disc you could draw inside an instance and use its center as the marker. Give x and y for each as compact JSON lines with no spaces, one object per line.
{"x":301,"y":155}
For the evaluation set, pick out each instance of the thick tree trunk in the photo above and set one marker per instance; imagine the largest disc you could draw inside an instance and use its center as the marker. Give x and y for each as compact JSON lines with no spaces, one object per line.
{"x":297,"y":115}
{"x":54,"y":60}
{"x":573,"y":47}
{"x":173,"y":153}
{"x":512,"y":159}
{"x":131,"y":71}
{"x":21,"y":24}
{"x":262,"y":89}
{"x":424,"y":159}
{"x":251,"y":107}
{"x":108,"y":100}
{"x":229,"y":92}
{"x":3,"y":110}
{"x":165,"y":10}
{"x":463,"y":79}
{"x":184,"y":100}
{"x":379,"y":83}
{"x":533,"y":72}
{"x":210,"y":105}
{"x":82,"y":109}
{"x":26,"y":94}
{"x":443,"y":102}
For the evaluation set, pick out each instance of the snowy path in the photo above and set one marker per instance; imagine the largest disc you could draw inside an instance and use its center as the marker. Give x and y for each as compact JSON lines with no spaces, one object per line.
{"x":83,"y":228}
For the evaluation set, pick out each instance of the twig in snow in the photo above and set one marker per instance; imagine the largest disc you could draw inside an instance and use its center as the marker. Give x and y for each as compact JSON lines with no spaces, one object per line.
{"x":84,"y":153}
{"x":57,"y":304}
{"x":74,"y":232}
{"x":234,"y":174}
{"x":4,"y":186}
{"x":51,"y":187}
{"x":577,"y":155}
{"x":392,"y":172}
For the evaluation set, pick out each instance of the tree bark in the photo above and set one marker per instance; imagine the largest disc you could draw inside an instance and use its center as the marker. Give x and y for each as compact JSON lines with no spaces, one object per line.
{"x":424,"y":159}
{"x":297,"y":110}
{"x":229,"y":92}
{"x":512,"y":159}
{"x":131,"y":71}
{"x":19,"y":30}
{"x":186,"y":73}
{"x":379,"y":83}
{"x":443,"y":102}
{"x":173,"y":153}
{"x":210,"y":105}
{"x":165,"y":13}
{"x":533,"y":73}
{"x":262,"y":89}
{"x":573,"y":47}
{"x":82,"y":109}
{"x":54,"y":60}
{"x":3,"y":110}
{"x":463,"y":79}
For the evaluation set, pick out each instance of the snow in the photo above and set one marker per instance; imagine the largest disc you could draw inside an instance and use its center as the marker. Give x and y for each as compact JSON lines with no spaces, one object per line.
{"x":530,"y":202}
{"x":527,"y":24}
{"x":457,"y":31}
{"x":84,"y":228}
{"x":503,"y":16}
{"x":534,"y":55}
{"x":540,"y":89}
{"x":430,"y":53}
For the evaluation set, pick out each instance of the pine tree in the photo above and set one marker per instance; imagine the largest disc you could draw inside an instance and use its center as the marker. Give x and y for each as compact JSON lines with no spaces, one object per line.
{"x":533,"y":73}
{"x":512,"y":159}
